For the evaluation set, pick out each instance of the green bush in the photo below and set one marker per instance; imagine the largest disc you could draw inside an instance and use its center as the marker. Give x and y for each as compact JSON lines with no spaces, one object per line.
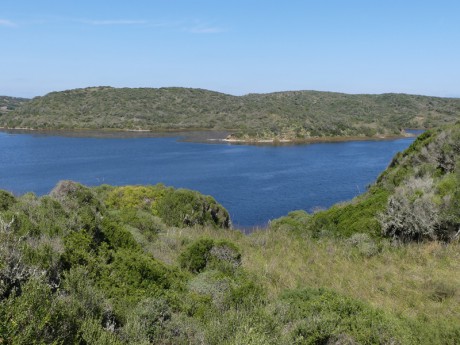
{"x":132,"y":275}
{"x":294,"y":221}
{"x":183,"y":207}
{"x":195,"y":257}
{"x":319,"y":316}
{"x":178,"y":208}
{"x":135,"y":197}
{"x":117,"y":236}
{"x":146,"y":222}
{"x":6,"y":200}
{"x":207,"y":253}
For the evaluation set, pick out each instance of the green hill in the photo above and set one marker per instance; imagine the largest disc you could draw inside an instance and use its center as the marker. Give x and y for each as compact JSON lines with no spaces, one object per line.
{"x":296,"y":115}
{"x":8,"y":104}
{"x":157,"y":265}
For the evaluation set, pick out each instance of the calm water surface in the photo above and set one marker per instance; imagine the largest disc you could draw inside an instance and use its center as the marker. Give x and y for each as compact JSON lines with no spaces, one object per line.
{"x":255,"y":183}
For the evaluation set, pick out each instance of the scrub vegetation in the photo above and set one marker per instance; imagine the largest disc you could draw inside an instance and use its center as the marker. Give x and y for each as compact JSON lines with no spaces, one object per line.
{"x":8,"y":104}
{"x":156,"y":265}
{"x":294,"y":115}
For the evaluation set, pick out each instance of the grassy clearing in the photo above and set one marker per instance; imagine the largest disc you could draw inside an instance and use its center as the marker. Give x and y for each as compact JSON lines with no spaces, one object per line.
{"x":416,"y":280}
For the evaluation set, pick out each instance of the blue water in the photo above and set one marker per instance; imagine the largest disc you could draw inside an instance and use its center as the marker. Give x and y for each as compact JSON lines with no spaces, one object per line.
{"x":254,"y":183}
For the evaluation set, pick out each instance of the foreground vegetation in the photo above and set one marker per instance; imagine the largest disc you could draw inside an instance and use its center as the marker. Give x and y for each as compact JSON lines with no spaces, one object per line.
{"x":151,"y":264}
{"x":296,"y":115}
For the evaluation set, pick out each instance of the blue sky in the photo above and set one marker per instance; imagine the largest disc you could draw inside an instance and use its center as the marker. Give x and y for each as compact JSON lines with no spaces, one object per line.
{"x":236,"y":47}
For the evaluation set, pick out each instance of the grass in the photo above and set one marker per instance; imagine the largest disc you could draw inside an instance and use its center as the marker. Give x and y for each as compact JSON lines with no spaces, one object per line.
{"x":413,"y":280}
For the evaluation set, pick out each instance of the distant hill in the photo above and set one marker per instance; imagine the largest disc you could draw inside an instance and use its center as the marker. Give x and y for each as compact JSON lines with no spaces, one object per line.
{"x":10,"y":103}
{"x":282,"y":115}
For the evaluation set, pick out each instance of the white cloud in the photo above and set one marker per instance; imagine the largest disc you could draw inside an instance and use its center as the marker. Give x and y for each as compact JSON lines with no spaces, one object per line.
{"x":5,"y":22}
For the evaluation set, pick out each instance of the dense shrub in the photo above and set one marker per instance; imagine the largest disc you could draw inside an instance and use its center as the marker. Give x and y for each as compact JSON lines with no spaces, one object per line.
{"x":196,"y":256}
{"x":183,"y":207}
{"x":319,"y":316}
{"x":206,"y":253}
{"x":178,"y":208}
{"x":6,"y":200}
{"x":425,"y":199}
{"x":73,"y":195}
{"x":412,"y":212}
{"x":133,"y":275}
{"x":146,"y":222}
{"x":294,"y":221}
{"x":135,"y":197}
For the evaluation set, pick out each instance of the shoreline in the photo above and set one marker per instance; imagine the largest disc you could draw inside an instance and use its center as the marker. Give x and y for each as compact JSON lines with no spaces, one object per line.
{"x":198,"y":135}
{"x":276,"y":141}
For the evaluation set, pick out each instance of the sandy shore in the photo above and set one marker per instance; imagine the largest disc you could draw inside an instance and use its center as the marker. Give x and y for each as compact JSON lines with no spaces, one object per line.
{"x":314,"y":139}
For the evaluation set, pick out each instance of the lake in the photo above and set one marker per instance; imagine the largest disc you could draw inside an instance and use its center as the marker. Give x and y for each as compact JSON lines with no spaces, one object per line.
{"x":254,"y":183}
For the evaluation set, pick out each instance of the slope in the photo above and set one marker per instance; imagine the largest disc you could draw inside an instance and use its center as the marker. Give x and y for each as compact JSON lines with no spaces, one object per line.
{"x":294,"y":115}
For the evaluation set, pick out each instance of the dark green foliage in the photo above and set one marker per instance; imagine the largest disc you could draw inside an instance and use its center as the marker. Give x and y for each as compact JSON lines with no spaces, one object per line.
{"x":196,"y":256}
{"x":343,"y":220}
{"x":132,"y":275}
{"x":79,"y":249}
{"x":295,"y":115}
{"x":117,"y":236}
{"x":6,"y":200}
{"x":27,"y":318}
{"x":183,"y":207}
{"x":74,"y":196}
{"x":207,"y":253}
{"x":319,"y":316}
{"x":359,"y":215}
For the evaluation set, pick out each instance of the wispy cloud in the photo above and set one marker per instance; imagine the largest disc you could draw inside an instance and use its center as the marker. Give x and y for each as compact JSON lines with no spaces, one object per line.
{"x":201,"y":27}
{"x":193,"y":27}
{"x":115,"y":22}
{"x":205,"y":30}
{"x":8,"y":23}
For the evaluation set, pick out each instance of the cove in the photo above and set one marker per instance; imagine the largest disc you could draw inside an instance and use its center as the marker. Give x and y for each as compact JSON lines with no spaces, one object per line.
{"x":255,"y":183}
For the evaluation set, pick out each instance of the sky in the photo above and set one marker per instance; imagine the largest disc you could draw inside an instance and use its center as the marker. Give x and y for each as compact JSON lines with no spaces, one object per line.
{"x":234,"y":46}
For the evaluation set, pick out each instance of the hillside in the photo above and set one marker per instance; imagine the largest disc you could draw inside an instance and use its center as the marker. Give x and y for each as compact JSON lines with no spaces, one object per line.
{"x":416,"y":198}
{"x":296,"y":115}
{"x":8,"y":104}
{"x":157,"y":265}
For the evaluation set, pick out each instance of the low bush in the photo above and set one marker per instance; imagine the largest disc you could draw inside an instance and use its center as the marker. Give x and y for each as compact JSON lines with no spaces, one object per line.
{"x":319,"y":316}
{"x":207,"y":253}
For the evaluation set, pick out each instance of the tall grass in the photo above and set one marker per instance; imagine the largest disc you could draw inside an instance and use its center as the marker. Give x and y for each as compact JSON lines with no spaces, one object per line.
{"x":418,"y":280}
